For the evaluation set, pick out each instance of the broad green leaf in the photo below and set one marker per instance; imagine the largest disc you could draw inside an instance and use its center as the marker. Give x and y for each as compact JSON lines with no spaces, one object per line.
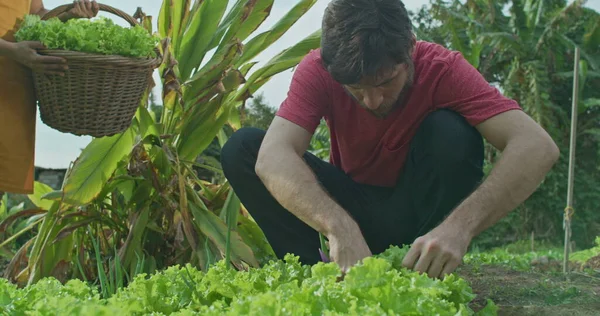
{"x":95,"y":166}
{"x":214,"y":228}
{"x":222,"y":137}
{"x":39,"y":190}
{"x":254,"y":13}
{"x":229,"y":214}
{"x":234,"y":119}
{"x":284,"y":60}
{"x":260,"y":42}
{"x":231,"y":16}
{"x":232,"y":80}
{"x":165,"y":24}
{"x":196,"y":137}
{"x":204,"y":21}
{"x":43,"y":234}
{"x":247,"y":67}
{"x":133,"y":244}
{"x":212,"y":71}
{"x":179,"y":11}
{"x":146,"y":123}
{"x":53,"y":196}
{"x":254,"y":237}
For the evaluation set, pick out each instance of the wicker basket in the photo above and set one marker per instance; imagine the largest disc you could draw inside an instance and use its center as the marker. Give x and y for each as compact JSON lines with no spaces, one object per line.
{"x":99,"y":94}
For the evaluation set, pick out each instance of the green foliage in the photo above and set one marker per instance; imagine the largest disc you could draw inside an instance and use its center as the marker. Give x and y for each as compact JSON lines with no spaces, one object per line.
{"x":583,"y":256}
{"x":526,"y":48}
{"x":258,"y":113}
{"x":101,"y":36}
{"x":282,"y":287}
{"x":320,"y":143}
{"x":511,"y":260}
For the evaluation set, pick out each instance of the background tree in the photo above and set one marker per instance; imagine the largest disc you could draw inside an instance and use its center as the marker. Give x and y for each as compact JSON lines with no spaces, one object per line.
{"x":526,"y":49}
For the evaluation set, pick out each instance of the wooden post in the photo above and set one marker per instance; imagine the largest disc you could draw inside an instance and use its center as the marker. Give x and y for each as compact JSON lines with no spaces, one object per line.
{"x":569,"y":209}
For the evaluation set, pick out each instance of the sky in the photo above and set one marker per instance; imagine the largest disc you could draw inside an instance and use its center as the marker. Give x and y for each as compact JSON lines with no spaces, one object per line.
{"x":58,"y":150}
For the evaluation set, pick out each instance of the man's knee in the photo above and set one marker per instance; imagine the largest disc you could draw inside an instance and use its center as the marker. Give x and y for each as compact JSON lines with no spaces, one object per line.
{"x":450,"y":138}
{"x":241,"y":147}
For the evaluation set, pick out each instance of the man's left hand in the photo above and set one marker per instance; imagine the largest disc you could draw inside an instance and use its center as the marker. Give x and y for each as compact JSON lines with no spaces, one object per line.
{"x":439,"y":252}
{"x":83,"y":9}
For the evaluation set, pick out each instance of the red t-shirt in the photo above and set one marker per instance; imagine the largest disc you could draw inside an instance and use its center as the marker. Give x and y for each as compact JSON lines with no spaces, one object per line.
{"x":371,"y":150}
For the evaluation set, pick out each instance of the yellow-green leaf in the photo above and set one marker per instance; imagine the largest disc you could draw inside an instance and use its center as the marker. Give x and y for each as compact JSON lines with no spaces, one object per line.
{"x":212,"y":71}
{"x":164,"y":19}
{"x":233,"y":14}
{"x":232,"y":80}
{"x":262,"y":41}
{"x":201,"y":129}
{"x":254,"y":13}
{"x":146,"y":122}
{"x":216,"y":230}
{"x":178,"y":14}
{"x":234,"y":119}
{"x":204,"y":20}
{"x":282,"y":61}
{"x":95,"y":166}
{"x":246,"y":68}
{"x":39,"y":190}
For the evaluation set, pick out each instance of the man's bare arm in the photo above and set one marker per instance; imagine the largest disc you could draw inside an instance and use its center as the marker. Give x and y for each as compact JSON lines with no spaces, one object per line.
{"x":528,"y":154}
{"x":37,"y":8}
{"x":6,"y":47}
{"x":291,"y":182}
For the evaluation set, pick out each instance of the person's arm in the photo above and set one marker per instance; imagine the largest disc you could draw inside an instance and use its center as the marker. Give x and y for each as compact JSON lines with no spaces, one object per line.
{"x":528,"y":153}
{"x":37,"y":8}
{"x":81,"y":9}
{"x":6,"y":48}
{"x":291,"y":182}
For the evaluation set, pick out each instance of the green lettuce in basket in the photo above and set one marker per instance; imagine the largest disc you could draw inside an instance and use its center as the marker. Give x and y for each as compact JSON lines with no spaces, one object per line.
{"x":98,"y":36}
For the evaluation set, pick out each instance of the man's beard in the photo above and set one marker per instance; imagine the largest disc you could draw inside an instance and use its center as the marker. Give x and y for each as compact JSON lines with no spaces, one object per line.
{"x":388,"y":108}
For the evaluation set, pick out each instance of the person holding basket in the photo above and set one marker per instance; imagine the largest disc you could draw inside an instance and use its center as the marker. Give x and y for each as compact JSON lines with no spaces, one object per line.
{"x":17,"y":96}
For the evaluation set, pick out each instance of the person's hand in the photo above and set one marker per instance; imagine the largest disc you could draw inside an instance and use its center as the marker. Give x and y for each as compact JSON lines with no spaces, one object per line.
{"x":439,"y":252}
{"x":25,"y":53}
{"x":348,"y":248}
{"x":83,"y":9}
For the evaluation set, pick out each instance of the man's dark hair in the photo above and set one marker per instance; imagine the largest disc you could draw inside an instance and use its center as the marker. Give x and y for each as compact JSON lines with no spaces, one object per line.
{"x":362,"y":37}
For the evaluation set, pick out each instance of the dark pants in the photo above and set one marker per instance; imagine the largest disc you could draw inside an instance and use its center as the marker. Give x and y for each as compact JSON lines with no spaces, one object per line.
{"x":443,"y":167}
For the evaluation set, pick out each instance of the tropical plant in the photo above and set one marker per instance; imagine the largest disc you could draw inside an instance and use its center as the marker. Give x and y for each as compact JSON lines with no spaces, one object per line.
{"x":132,"y":202}
{"x":320,"y":143}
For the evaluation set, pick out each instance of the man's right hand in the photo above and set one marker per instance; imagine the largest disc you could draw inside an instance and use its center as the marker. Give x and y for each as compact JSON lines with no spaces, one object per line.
{"x":348,"y":247}
{"x":26,"y":54}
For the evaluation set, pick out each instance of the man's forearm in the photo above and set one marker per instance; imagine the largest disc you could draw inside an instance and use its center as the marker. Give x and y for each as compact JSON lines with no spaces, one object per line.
{"x":522,"y":167}
{"x":296,"y":188}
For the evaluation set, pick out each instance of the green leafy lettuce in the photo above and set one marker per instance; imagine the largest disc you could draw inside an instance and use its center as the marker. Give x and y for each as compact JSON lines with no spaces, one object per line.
{"x":378,"y":286}
{"x":98,"y":36}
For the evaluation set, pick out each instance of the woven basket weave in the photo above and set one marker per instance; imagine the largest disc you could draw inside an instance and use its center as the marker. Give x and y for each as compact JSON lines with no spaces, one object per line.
{"x":98,"y":94}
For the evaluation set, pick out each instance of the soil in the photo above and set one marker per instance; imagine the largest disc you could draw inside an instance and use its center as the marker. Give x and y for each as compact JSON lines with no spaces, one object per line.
{"x":546,"y":293}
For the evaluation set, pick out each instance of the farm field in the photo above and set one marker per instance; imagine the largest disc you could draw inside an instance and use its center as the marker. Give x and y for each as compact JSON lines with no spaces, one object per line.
{"x":502,"y":281}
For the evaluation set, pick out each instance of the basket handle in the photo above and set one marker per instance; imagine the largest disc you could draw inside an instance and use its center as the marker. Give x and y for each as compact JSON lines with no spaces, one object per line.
{"x":103,"y":7}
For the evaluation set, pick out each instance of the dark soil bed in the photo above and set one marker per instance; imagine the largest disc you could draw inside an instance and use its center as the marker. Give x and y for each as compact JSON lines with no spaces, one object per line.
{"x":534,"y":293}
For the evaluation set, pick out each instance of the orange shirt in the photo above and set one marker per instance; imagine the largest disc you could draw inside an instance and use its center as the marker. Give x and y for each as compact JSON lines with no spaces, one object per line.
{"x":17,"y":109}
